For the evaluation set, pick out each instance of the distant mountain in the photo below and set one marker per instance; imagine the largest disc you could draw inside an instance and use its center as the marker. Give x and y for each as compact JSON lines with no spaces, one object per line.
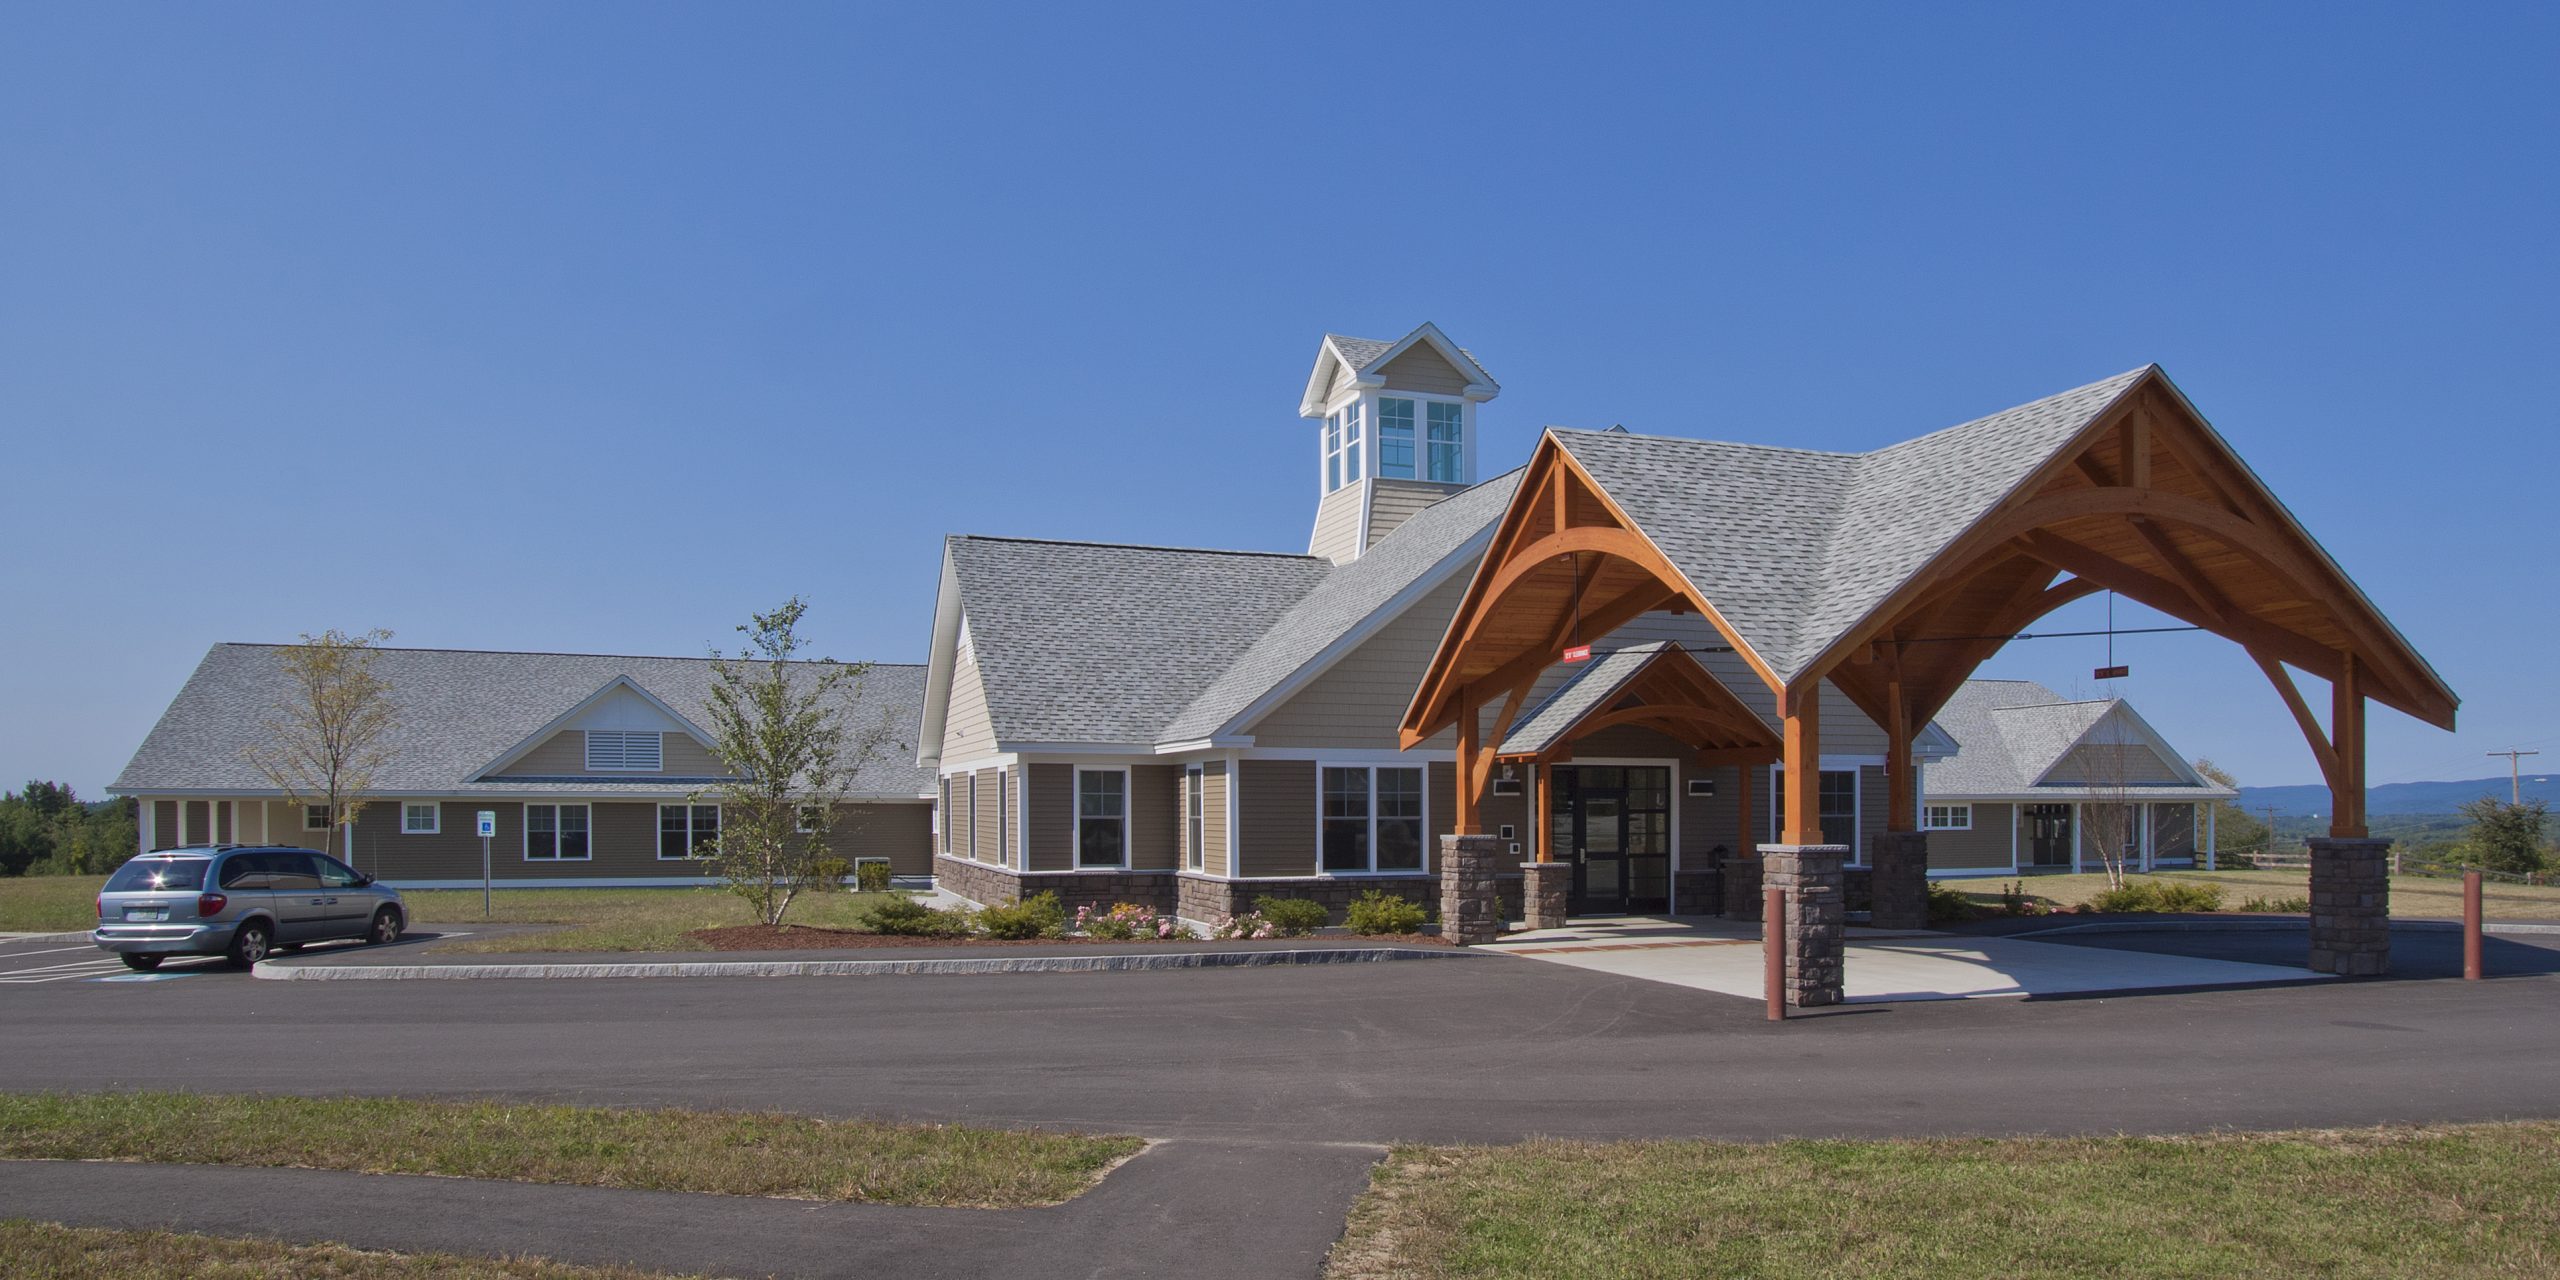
{"x":2400,"y":797}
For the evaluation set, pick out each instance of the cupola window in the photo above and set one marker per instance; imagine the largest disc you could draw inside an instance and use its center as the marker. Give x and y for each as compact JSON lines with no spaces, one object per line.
{"x":1342,"y":447}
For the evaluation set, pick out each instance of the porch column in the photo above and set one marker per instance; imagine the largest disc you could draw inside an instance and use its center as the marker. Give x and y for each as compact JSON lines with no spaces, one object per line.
{"x":2350,"y":872}
{"x":1900,"y":854}
{"x":1469,"y":819}
{"x":1470,"y":907}
{"x":1546,"y":884}
{"x":1806,"y":863}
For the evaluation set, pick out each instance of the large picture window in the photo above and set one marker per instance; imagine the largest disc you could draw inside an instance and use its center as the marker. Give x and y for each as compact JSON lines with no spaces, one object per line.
{"x":555,"y":833}
{"x":688,"y":830}
{"x":1370,"y":819}
{"x":1102,"y":817}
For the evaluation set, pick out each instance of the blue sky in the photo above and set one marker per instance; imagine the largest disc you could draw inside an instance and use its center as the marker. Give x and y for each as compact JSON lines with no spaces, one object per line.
{"x":594,"y":327}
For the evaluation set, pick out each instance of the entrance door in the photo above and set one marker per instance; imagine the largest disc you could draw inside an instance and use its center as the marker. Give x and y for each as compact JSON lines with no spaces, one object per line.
{"x":2048,"y":835}
{"x":1614,"y":822}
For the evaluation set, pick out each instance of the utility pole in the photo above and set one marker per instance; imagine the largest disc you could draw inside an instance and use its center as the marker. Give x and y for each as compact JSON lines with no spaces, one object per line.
{"x":2515,"y":778}
{"x":2270,"y":812}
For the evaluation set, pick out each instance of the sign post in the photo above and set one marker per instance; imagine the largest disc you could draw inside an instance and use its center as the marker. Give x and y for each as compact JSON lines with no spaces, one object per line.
{"x":488,"y":828}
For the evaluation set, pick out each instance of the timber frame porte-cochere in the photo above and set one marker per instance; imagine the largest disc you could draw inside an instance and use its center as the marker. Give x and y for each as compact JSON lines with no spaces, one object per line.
{"x":1890,"y":577}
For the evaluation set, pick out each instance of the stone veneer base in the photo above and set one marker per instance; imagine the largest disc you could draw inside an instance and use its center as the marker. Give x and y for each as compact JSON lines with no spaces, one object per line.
{"x":2350,"y":906}
{"x":1816,"y":917}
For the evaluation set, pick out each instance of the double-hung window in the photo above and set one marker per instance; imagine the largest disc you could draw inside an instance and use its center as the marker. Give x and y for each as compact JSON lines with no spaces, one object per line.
{"x":419,"y":817}
{"x":1839,"y":808}
{"x":688,"y":830}
{"x":810,"y":819}
{"x":1370,"y":819}
{"x":1947,"y":817}
{"x":942,"y":817}
{"x":1395,"y":437}
{"x":1448,"y":441}
{"x":1004,"y":818}
{"x":615,"y":750}
{"x":555,"y":833}
{"x":315,"y":817}
{"x":1195,"y":828}
{"x":1102,"y":817}
{"x":1342,"y":448}
{"x":977,"y":841}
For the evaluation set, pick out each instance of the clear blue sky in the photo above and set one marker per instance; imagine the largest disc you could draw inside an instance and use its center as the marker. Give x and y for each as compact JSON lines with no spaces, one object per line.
{"x":594,"y":327}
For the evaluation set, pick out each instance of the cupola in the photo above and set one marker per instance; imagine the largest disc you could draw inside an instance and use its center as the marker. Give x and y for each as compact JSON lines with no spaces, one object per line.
{"x":1398,"y":432}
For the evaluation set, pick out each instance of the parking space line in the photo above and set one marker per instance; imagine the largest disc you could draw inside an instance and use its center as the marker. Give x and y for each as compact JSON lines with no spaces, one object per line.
{"x":49,"y":951}
{"x":26,"y":977}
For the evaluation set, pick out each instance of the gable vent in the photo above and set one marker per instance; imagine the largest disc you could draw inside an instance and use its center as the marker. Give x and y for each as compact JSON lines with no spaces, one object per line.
{"x":614,"y":749}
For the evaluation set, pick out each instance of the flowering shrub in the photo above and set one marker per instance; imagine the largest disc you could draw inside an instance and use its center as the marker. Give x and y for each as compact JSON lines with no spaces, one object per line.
{"x":1249,"y":925}
{"x":1128,"y":920}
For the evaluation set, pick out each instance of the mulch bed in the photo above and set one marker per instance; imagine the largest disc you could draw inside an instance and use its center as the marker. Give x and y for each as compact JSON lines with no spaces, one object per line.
{"x":793,"y":937}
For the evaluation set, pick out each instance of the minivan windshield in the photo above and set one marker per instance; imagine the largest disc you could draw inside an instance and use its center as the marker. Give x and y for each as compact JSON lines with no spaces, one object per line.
{"x":153,"y":875}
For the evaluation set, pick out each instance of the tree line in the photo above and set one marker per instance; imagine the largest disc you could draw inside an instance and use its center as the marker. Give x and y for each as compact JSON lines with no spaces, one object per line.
{"x":47,"y":830}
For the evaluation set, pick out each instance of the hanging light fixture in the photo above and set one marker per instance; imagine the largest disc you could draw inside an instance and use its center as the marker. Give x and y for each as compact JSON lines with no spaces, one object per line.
{"x":1578,"y":651}
{"x":2111,"y":671}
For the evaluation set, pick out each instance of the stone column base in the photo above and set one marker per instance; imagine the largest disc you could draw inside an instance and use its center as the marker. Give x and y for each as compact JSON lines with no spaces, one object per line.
{"x":1742,"y":888}
{"x":1815,"y":917}
{"x":1900,"y":880}
{"x":1470,"y":901}
{"x":1549,"y":885}
{"x":2350,"y":906}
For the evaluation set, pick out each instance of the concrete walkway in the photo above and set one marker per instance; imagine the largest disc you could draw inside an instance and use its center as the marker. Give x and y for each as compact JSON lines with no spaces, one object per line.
{"x":1724,"y":956}
{"x":1192,"y":1209}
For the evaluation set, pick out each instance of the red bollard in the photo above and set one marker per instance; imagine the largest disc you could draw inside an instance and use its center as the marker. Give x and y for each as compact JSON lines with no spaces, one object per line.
{"x":1773,"y":950}
{"x":2471,"y":926}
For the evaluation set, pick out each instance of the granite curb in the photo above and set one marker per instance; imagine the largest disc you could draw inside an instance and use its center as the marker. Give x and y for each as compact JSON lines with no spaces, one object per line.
{"x":310,"y":971}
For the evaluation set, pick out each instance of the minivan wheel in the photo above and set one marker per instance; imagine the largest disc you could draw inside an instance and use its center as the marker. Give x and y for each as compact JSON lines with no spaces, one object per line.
{"x":140,"y":962}
{"x":386,"y":928}
{"x":250,"y":944}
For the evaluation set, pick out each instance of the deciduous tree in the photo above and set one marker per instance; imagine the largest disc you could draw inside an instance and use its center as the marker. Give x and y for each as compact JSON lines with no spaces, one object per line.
{"x":2505,"y":837}
{"x":326,"y":736}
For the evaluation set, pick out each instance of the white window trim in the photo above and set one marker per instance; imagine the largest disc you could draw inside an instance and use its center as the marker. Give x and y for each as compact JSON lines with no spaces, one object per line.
{"x":435,"y":818}
{"x":1857,"y":808}
{"x":942,"y":819}
{"x":624,"y":736}
{"x":974,"y":854}
{"x":1373,"y":871}
{"x":1375,"y":420}
{"x":1128,"y":801}
{"x":659,"y":832}
{"x":1195,"y":817}
{"x":1004,"y":817}
{"x":307,"y":823}
{"x":1929,"y":823}
{"x":800,"y":822}
{"x":525,"y":834}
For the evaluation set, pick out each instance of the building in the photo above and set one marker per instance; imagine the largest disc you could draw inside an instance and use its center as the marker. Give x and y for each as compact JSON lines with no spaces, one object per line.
{"x":596,"y":767}
{"x":2033,"y":773}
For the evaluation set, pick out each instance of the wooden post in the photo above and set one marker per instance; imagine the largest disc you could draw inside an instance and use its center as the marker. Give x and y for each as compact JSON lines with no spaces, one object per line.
{"x":1545,"y":818}
{"x":1901,"y":776}
{"x":1803,"y":804}
{"x":1469,"y":819}
{"x":2346,"y":741}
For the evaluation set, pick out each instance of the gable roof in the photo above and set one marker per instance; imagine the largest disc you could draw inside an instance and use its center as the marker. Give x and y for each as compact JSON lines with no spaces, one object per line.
{"x":561,"y":721}
{"x":1099,"y":643}
{"x":2012,"y":733}
{"x":1795,"y":546}
{"x":1364,"y":355}
{"x":459,"y":710}
{"x":1581,"y":694}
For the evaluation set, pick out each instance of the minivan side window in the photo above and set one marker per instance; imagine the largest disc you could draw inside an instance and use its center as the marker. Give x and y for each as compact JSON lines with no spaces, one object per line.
{"x":294,"y":871}
{"x":335,"y":874}
{"x":246,"y":871}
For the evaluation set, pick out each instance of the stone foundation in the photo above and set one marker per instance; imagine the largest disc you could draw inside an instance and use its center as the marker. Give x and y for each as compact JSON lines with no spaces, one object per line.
{"x":1899,"y":883}
{"x":1545,"y":888}
{"x":2350,"y":906}
{"x":1814,"y":917}
{"x":1470,"y":900}
{"x":1698,"y":891}
{"x":1207,"y":898}
{"x":999,"y":886}
{"x":1741,"y":888}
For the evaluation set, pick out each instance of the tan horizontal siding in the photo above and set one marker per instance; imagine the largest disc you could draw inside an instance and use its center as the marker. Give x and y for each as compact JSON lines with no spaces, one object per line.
{"x":1985,"y":846}
{"x":1392,"y":502}
{"x":1338,"y":523}
{"x":1155,"y":806}
{"x":902,"y":833}
{"x":967,"y":730}
{"x":1360,"y":700}
{"x":2099,"y":764}
{"x":1213,"y":806}
{"x":564,"y":755}
{"x":1423,"y":368}
{"x":1276,"y":818}
{"x":1050,"y":825}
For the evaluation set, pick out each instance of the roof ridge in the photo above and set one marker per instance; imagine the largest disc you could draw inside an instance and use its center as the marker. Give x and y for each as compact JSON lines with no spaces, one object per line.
{"x":1729,"y":444}
{"x":556,"y":653}
{"x":1959,"y":426}
{"x":1131,"y":546}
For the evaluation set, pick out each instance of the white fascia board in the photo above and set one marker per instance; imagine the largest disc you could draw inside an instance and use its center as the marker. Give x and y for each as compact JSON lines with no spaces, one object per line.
{"x":1933,"y":743}
{"x":942,"y":654}
{"x":1449,"y":351}
{"x":1203,"y":744}
{"x":1468,"y":554}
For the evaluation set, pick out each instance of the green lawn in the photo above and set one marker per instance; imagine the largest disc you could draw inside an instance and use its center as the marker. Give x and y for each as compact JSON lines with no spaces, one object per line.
{"x":2411,"y":896}
{"x":723,"y":1152}
{"x":49,"y":1251}
{"x":48,"y":904}
{"x":2361,"y":1205}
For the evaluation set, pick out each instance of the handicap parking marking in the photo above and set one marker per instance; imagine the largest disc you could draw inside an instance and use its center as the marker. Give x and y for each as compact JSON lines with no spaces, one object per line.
{"x":61,"y":972}
{"x":143,"y":977}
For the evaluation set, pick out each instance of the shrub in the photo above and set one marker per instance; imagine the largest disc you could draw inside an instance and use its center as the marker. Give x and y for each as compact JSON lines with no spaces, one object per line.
{"x":907,"y":917}
{"x":1249,"y":925}
{"x":1038,"y":916}
{"x":1127,"y":920}
{"x":2016,"y":901}
{"x":871,"y":877}
{"x":1947,"y":903}
{"x":2281,"y":906}
{"x":1292,"y":916}
{"x":1379,"y":912}
{"x":2158,"y":895}
{"x":826,"y":875}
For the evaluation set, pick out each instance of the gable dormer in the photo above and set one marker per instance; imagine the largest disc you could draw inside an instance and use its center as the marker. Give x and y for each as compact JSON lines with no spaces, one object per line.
{"x":620,"y":730}
{"x":1398,"y":432}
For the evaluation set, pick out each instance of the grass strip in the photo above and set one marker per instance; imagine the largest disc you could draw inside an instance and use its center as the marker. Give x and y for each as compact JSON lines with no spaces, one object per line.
{"x":614,"y":919}
{"x":2412,"y":896}
{"x":722,"y":1152}
{"x":2463,"y":1201}
{"x":49,"y":1251}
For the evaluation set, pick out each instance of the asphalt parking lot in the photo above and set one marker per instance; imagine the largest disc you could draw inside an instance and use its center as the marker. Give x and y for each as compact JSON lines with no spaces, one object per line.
{"x":28,"y":962}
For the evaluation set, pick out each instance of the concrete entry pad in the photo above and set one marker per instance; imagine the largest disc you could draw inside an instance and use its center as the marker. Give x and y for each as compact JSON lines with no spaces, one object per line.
{"x":1724,"y":957}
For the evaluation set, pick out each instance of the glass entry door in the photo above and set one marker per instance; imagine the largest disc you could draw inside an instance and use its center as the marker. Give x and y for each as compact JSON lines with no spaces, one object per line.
{"x":1614,"y":823}
{"x":2048,"y":835}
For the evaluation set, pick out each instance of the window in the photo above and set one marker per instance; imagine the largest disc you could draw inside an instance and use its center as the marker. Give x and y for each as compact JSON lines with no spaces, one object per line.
{"x":419,"y":819}
{"x":555,"y":833}
{"x":811,"y":818}
{"x":1947,"y":817}
{"x":613,"y":749}
{"x":942,"y":817}
{"x":1395,"y":437}
{"x":1004,"y":818}
{"x":1342,"y":448}
{"x":688,"y":830}
{"x":1448,"y":442}
{"x":334,"y":874}
{"x":1839,"y":808}
{"x":315,"y":817}
{"x":1370,"y":820}
{"x":977,"y":845}
{"x":1102,"y":817}
{"x":1195,"y":828}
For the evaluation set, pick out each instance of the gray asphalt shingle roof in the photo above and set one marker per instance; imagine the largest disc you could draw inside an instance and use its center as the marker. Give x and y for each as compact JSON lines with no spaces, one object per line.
{"x":1793,"y":546}
{"x":2010,"y":733}
{"x":1577,"y":696}
{"x":460,"y":710}
{"x":1089,"y":642}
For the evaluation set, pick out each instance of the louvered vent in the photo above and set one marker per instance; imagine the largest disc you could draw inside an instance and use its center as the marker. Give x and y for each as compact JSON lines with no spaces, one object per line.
{"x":615,"y":750}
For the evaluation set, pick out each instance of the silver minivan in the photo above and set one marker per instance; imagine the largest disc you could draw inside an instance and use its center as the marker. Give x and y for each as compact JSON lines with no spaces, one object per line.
{"x":243,"y":902}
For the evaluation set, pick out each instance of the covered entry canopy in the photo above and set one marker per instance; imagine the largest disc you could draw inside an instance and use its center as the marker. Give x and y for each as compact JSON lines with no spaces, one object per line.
{"x":1894,"y":574}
